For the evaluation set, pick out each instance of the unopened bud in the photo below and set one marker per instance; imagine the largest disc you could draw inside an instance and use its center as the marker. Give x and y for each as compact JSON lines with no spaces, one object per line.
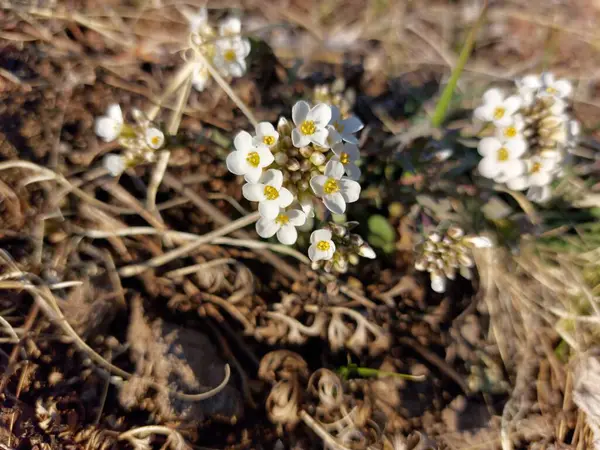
{"x":281,"y":158}
{"x":293,"y":165}
{"x":318,"y":159}
{"x":366,"y":251}
{"x":306,"y":152}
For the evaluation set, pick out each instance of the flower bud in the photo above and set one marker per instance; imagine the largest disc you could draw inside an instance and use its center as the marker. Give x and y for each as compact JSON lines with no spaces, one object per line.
{"x":306,"y":152}
{"x":281,"y":158}
{"x":293,"y":165}
{"x":353,"y":259}
{"x":455,"y":232}
{"x":366,"y":251}
{"x":318,"y":159}
{"x":337,"y":229}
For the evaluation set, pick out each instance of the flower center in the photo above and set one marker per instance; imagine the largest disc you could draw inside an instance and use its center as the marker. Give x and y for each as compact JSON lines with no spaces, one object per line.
{"x":155,"y":141}
{"x":253,"y":159}
{"x":499,"y":113}
{"x":308,"y":127}
{"x":344,"y":158}
{"x":282,"y":219}
{"x":323,"y":246}
{"x":510,"y":132}
{"x":271,"y":193}
{"x":230,"y":55}
{"x":536,"y":167}
{"x":268,"y":140}
{"x":339,"y":126}
{"x":331,"y":186}
{"x":551,"y":90}
{"x":503,"y":154}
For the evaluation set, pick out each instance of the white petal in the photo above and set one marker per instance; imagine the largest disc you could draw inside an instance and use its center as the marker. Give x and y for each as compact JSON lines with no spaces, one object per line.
{"x":438,"y":283}
{"x":334,"y":169}
{"x":488,"y":146}
{"x":541,"y":178}
{"x":367,"y":252}
{"x":269,"y":209}
{"x":320,"y":114}
{"x":237,"y":68}
{"x":255,"y":192}
{"x":299,"y":139}
{"x":320,"y":235}
{"x":230,"y":26}
{"x":333,"y":137}
{"x":539,"y":194}
{"x":512,"y":168}
{"x":480,"y":241}
{"x":285,"y":198}
{"x":319,"y":137}
{"x":335,"y":114}
{"x":531,"y":82}
{"x":265,"y":155}
{"x":516,"y":147}
{"x":253,"y":174}
{"x":236,"y":163}
{"x":154,"y":138}
{"x":265,"y":129}
{"x":299,"y":112}
{"x":493,"y":97}
{"x":512,"y":104}
{"x":352,"y":171}
{"x":484,"y":113}
{"x":352,"y":125}
{"x":297,"y":218}
{"x":266,"y":227}
{"x":114,"y":164}
{"x":114,"y":112}
{"x":350,"y":190}
{"x":563,"y":87}
{"x":316,"y":183}
{"x":547,"y":79}
{"x":287,"y":234}
{"x":243,"y":141}
{"x":107,"y":129}
{"x":488,"y":167}
{"x":335,"y":203}
{"x":273,"y":177}
{"x":352,"y":151}
{"x":518,"y":183}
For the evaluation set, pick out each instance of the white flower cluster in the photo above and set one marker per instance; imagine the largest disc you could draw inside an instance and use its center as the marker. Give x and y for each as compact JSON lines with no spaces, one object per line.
{"x":532,"y":133}
{"x":292,"y":168}
{"x":140,"y":140}
{"x":442,"y":255}
{"x":225,"y":49}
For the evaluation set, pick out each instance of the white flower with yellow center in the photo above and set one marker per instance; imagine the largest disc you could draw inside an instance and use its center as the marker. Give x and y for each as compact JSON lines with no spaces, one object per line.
{"x":230,"y":56}
{"x":322,"y":247}
{"x":512,"y":130}
{"x":540,"y":172}
{"x":269,"y":193}
{"x":200,"y":76}
{"x":334,"y":189}
{"x":109,"y":127}
{"x":347,"y":154}
{"x":248,"y":159}
{"x":154,"y":138}
{"x":343,"y":129}
{"x":555,"y":88}
{"x":498,"y":109}
{"x":266,"y":134}
{"x":310,"y":124}
{"x":284,"y":225}
{"x":501,"y":158}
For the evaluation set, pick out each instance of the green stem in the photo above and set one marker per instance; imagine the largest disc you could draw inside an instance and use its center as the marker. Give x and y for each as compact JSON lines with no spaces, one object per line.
{"x":442,"y":105}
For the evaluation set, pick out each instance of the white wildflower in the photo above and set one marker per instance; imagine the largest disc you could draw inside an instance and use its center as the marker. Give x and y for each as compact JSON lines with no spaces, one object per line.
{"x":230,"y":57}
{"x":114,"y":164}
{"x":269,"y":193}
{"x":310,"y":124}
{"x":231,"y":26}
{"x":501,"y":159}
{"x":512,"y":130}
{"x":154,"y":138}
{"x":555,"y":88}
{"x":109,"y":127}
{"x":343,"y":129}
{"x":266,"y":134}
{"x":334,"y":189}
{"x":498,"y":109}
{"x":200,"y":76}
{"x":248,"y":159}
{"x":284,"y":225}
{"x":322,"y":247}
{"x":347,"y":154}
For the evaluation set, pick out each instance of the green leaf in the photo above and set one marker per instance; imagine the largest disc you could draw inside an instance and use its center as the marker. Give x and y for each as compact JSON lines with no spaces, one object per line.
{"x":381,"y":230}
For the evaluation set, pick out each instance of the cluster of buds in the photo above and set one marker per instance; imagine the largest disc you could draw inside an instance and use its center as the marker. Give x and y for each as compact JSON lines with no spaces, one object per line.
{"x":445,"y":254}
{"x":334,"y":94}
{"x":333,"y":248}
{"x":533,"y":133}
{"x":140,"y":139}
{"x":226,"y":50}
{"x":291,"y":169}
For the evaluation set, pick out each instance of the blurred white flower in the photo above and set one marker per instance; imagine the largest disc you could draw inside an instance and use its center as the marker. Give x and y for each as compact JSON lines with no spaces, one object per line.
{"x":266,"y":134}
{"x":501,"y":159}
{"x":114,"y":164}
{"x":248,"y":159}
{"x":498,"y":109}
{"x":310,"y":124}
{"x":347,"y":154}
{"x":230,"y":56}
{"x":284,"y":225}
{"x":555,"y":88}
{"x":231,"y":26}
{"x":197,"y":20}
{"x":109,"y":126}
{"x":154,"y":138}
{"x":334,"y":189}
{"x":539,"y":194}
{"x":269,"y":193}
{"x":200,"y":76}
{"x":343,"y":129}
{"x":322,"y":247}
{"x":512,"y":130}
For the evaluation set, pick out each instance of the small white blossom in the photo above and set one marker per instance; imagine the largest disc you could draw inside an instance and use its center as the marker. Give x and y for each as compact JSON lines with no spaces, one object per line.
{"x":109,"y":127}
{"x":231,"y":26}
{"x":200,"y":76}
{"x":284,"y":225}
{"x":334,"y":189}
{"x":528,"y":86}
{"x":269,"y":193}
{"x":555,"y":88}
{"x":513,"y":130}
{"x":266,"y":134}
{"x":230,"y":57}
{"x":501,"y":159}
{"x":310,"y":124}
{"x":343,"y":129}
{"x":114,"y":164}
{"x":347,"y":154}
{"x":498,"y":109}
{"x":154,"y":138}
{"x":322,"y":247}
{"x":248,"y":159}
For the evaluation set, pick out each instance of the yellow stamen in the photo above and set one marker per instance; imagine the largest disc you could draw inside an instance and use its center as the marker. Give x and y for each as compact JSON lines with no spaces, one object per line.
{"x":282,"y":219}
{"x":230,"y":55}
{"x":551,"y":90}
{"x":344,"y":158}
{"x":155,"y":141}
{"x":499,"y":113}
{"x":271,"y":193}
{"x":339,"y":126}
{"x":331,"y":186}
{"x":510,"y":132}
{"x":503,"y":154}
{"x":323,"y":246}
{"x":536,"y":167}
{"x":269,"y":140}
{"x":308,"y":127}
{"x":253,"y":159}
